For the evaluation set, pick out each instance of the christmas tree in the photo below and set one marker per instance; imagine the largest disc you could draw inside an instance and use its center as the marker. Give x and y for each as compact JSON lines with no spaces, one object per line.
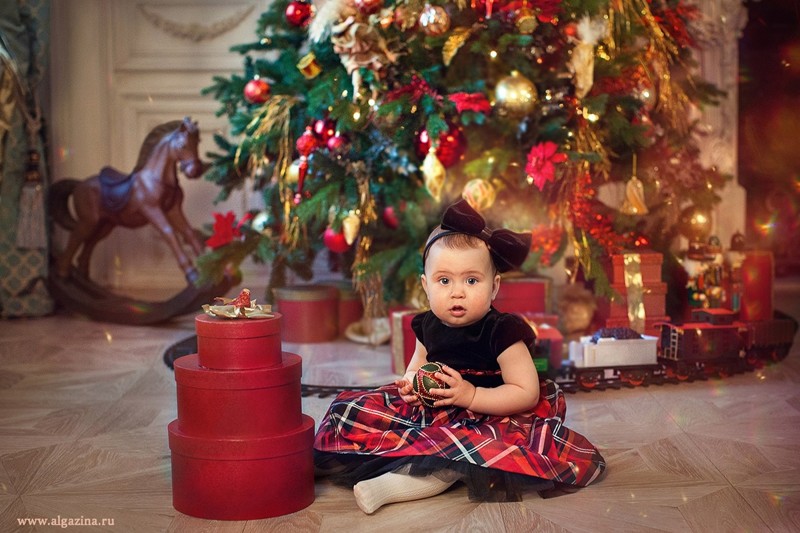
{"x":361,"y":120}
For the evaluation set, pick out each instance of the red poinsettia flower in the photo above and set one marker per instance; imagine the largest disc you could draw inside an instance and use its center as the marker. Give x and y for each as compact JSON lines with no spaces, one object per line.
{"x":542,"y":160}
{"x":476,"y":102}
{"x":224,"y":230}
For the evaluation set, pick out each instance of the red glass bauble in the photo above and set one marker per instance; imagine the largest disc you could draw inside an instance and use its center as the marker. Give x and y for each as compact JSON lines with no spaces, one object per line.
{"x":452,"y":145}
{"x":369,"y":7}
{"x":298,"y":13}
{"x":256,"y":91}
{"x":306,"y":143}
{"x":336,"y":142}
{"x":324,"y":129}
{"x":335,"y":241}
{"x":389,"y":217}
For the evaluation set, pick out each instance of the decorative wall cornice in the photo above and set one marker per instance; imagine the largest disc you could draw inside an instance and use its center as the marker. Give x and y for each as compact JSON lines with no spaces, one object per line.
{"x":193,"y":31}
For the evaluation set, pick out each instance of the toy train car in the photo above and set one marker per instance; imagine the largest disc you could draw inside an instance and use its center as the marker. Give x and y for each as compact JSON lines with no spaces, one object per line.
{"x":713,"y":343}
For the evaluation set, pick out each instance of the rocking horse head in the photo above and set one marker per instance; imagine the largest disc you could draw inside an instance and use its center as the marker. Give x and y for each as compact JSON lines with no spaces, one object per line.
{"x":183,"y":139}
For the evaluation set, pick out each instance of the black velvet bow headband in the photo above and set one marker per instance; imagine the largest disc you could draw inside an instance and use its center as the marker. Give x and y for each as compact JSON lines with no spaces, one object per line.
{"x":507,"y":248}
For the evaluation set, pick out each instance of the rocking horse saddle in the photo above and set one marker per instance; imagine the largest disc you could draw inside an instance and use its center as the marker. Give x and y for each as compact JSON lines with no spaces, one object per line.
{"x":115,"y":188}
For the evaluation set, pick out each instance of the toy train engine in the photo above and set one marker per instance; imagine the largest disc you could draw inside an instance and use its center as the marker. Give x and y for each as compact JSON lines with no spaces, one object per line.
{"x":712,"y":343}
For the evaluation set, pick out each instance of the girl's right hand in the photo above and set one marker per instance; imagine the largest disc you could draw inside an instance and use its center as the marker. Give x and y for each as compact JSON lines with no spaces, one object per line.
{"x":406,"y":391}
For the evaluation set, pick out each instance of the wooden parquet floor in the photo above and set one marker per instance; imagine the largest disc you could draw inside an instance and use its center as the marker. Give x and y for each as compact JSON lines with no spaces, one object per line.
{"x":84,"y":408}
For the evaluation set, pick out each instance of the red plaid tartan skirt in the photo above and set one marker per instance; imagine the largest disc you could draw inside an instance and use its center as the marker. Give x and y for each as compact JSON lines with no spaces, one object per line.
{"x":536,"y":443}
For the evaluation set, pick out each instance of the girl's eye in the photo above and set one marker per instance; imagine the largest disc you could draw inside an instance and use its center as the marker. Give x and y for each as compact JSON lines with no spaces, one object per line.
{"x":444,"y":281}
{"x":472,"y":281}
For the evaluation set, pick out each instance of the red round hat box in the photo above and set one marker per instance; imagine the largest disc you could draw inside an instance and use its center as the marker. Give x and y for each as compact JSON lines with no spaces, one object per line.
{"x":233,"y":479}
{"x":238,"y":403}
{"x":309,"y":312}
{"x":238,"y":343}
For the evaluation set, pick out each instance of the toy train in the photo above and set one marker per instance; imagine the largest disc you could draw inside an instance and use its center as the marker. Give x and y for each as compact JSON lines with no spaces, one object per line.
{"x":713,"y":343}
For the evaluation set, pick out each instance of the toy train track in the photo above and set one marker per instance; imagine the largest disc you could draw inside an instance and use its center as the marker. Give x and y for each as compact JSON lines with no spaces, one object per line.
{"x":714,"y":345}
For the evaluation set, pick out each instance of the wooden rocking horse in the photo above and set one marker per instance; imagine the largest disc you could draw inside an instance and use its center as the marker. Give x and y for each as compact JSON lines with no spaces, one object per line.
{"x":150,"y":194}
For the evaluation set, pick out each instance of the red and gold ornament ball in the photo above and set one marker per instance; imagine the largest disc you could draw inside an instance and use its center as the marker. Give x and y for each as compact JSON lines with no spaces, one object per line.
{"x":425,"y":380}
{"x":256,"y":91}
{"x":451,"y":147}
{"x":298,"y":13}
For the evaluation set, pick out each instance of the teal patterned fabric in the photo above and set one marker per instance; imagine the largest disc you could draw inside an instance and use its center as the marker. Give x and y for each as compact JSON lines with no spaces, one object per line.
{"x":23,"y":272}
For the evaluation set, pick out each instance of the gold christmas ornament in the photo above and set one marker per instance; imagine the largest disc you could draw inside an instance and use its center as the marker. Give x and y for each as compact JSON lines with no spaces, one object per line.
{"x":479,"y":194}
{"x":309,"y":66}
{"x":526,"y":20}
{"x":434,"y":173}
{"x":351,"y":224}
{"x":516,"y":94}
{"x":695,"y":223}
{"x":293,"y":172}
{"x":434,"y":20}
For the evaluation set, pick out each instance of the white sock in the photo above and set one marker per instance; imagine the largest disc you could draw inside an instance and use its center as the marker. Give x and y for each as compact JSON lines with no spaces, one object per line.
{"x":392,"y":488}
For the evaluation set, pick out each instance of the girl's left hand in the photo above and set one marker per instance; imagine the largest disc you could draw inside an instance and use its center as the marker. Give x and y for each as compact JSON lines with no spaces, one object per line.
{"x":460,"y":392}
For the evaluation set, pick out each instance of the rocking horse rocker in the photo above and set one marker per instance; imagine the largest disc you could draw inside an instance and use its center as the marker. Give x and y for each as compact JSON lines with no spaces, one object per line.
{"x":151,"y":194}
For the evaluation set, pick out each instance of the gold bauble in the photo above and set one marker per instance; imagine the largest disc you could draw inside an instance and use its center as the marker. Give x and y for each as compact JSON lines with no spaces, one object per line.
{"x":434,"y":173}
{"x":479,"y":194}
{"x":293,"y":172}
{"x":434,"y":20}
{"x":695,"y":223}
{"x":526,"y":20}
{"x":516,"y":94}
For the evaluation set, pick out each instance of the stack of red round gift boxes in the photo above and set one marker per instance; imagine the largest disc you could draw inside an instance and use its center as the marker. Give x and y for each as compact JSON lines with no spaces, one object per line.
{"x":241,"y":446}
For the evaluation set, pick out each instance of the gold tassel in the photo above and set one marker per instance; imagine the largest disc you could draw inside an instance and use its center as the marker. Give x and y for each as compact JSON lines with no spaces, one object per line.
{"x":31,"y":229}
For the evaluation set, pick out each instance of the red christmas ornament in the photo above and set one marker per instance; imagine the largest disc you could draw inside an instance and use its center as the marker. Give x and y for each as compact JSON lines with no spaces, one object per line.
{"x":335,"y":241}
{"x":324,"y":129}
{"x":298,"y":13}
{"x":256,"y":91}
{"x":368,"y":7}
{"x":305,"y":144}
{"x":336,"y":142}
{"x":571,"y":29}
{"x":389,"y":217}
{"x":452,"y":145}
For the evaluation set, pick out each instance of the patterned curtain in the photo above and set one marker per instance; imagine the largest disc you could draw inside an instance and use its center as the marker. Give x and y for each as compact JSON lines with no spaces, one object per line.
{"x":24,"y":26}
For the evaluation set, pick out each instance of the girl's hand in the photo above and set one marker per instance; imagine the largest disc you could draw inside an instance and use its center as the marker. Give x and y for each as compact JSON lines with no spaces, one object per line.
{"x":406,"y":391}
{"x":460,"y":393}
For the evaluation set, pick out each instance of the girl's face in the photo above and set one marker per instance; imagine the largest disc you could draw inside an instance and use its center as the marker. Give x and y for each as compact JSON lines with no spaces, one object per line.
{"x":460,"y":283}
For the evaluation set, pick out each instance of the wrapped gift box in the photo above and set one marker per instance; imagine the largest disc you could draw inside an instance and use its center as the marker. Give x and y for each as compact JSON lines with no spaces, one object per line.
{"x":523,"y":295}
{"x":349,"y":307}
{"x":654,"y":297}
{"x":652,"y":324}
{"x":649,"y":265}
{"x":403,"y":338}
{"x":550,"y":343}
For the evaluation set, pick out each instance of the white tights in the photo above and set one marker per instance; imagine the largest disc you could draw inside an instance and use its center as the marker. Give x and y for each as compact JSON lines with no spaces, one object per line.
{"x":393,"y":487}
